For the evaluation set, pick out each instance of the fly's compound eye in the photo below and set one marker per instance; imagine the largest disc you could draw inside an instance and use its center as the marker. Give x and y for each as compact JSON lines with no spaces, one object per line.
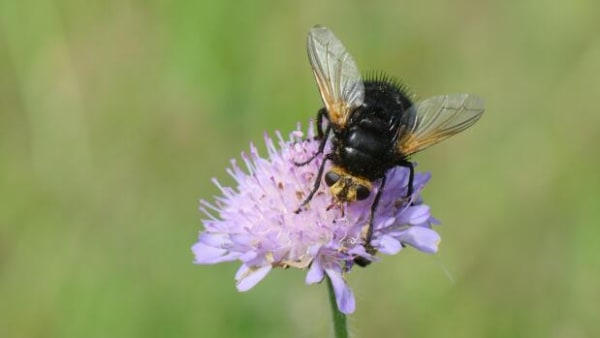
{"x":331,"y":178}
{"x":362,"y":192}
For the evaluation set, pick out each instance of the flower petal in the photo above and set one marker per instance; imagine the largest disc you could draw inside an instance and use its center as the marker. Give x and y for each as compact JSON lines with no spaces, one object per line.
{"x":343,"y":294}
{"x":247,"y":278}
{"x":315,"y":273}
{"x":417,"y":214}
{"x":205,"y":254}
{"x":216,"y":240}
{"x":248,"y":257}
{"x":421,"y":238}
{"x":388,"y":245}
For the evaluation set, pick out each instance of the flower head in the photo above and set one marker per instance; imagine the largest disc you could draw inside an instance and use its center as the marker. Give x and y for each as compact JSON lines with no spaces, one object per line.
{"x":255,"y":222}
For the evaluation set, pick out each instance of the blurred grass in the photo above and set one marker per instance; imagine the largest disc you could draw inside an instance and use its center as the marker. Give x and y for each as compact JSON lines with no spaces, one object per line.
{"x":114,"y":116}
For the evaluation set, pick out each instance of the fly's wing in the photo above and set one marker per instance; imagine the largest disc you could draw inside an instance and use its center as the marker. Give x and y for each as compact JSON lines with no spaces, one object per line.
{"x":438,"y":118}
{"x":337,"y":75}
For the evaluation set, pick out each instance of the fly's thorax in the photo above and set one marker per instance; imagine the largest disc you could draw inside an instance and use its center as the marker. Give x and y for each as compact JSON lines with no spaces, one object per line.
{"x":346,"y":187}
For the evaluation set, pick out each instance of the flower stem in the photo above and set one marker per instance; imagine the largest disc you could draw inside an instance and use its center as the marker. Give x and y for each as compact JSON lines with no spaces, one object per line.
{"x":339,"y":319}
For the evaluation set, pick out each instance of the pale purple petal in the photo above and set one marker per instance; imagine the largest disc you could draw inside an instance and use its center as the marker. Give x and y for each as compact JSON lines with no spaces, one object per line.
{"x":421,"y":238}
{"x":315,"y":273}
{"x":251,"y":276}
{"x":389,"y":245}
{"x":205,"y":254}
{"x":343,"y":294}
{"x":417,"y":214}
{"x":242,"y":270}
{"x":216,"y":240}
{"x":248,"y":256}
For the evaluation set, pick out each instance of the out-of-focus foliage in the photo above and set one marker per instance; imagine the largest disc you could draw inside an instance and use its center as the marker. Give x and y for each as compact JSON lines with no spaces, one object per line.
{"x":114,"y":115}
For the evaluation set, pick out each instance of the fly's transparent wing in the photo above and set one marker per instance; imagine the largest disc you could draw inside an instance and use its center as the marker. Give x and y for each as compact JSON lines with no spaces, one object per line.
{"x":337,"y":75}
{"x":437,"y":118}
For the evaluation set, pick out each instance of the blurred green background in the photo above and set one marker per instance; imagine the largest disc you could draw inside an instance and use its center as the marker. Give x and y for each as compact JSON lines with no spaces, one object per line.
{"x":114,"y":115}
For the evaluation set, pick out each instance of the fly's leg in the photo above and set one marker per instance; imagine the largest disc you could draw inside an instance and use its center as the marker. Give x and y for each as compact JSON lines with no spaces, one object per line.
{"x":316,"y":185}
{"x":360,"y":261}
{"x":373,"y":209}
{"x":321,"y":135}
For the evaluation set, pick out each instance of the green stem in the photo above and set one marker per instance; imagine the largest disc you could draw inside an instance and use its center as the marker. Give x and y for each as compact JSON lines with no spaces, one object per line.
{"x":339,"y":319}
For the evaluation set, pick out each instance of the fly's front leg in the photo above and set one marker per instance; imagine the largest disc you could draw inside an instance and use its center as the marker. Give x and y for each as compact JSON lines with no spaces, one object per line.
{"x":321,"y":135}
{"x":360,"y":261}
{"x":372,"y":215}
{"x":316,"y":185}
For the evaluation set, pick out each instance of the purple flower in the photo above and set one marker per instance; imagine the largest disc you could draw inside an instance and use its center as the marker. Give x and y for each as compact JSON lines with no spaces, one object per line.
{"x":255,"y":222}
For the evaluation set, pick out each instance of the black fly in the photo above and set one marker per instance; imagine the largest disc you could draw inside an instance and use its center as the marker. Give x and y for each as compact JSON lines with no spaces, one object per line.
{"x":374,"y":123}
